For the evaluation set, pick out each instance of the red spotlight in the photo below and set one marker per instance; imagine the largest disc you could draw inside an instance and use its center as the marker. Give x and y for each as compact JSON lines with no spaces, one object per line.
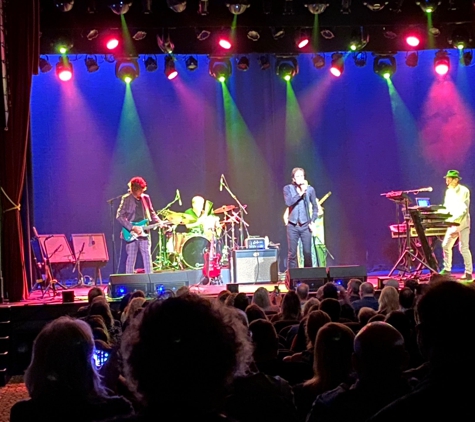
{"x":441,"y":62}
{"x":225,"y":43}
{"x":170,"y":69}
{"x":303,"y":43}
{"x":112,"y":43}
{"x":64,"y":69}
{"x":337,"y":65}
{"x":413,"y":40}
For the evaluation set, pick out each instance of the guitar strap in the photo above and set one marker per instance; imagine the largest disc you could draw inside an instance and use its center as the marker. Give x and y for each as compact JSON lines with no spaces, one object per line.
{"x":146,"y":209}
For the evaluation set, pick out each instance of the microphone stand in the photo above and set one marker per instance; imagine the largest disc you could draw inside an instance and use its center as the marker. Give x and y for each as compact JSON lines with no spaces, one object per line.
{"x":161,"y":258}
{"x":111,"y":203}
{"x":242,"y":211}
{"x":77,"y":266}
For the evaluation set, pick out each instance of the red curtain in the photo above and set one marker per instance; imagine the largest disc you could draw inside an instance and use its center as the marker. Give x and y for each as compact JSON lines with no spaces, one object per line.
{"x":21,"y":20}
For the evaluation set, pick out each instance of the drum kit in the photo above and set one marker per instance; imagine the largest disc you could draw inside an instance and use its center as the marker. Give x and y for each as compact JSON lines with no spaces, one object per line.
{"x":181,"y":250}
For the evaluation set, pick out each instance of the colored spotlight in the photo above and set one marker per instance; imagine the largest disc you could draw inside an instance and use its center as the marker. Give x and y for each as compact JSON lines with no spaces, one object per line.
{"x":441,"y":62}
{"x":316,"y":8}
{"x":413,"y":41}
{"x":412,"y":59}
{"x":337,"y":64}
{"x":318,"y":61}
{"x":287,"y":68}
{"x":225,"y":43}
{"x":119,"y":7}
{"x":44,"y":65}
{"x":127,"y":70}
{"x":64,"y":69}
{"x":220,"y":69}
{"x":428,"y":6}
{"x":112,"y":43}
{"x":385,"y":66}
{"x":191,"y":63}
{"x":170,"y":69}
{"x":238,"y":8}
{"x":302,"y":42}
{"x":243,"y":63}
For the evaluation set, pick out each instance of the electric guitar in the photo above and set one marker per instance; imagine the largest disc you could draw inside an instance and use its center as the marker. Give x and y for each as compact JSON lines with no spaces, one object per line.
{"x":130,"y":236}
{"x":211,"y":268}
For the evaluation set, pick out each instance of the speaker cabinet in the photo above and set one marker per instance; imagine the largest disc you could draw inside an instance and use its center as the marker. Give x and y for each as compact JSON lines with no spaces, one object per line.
{"x":57,"y":248}
{"x":92,"y":246}
{"x":121,"y":284}
{"x":315,"y":277}
{"x":255,"y":266}
{"x":343,"y":273}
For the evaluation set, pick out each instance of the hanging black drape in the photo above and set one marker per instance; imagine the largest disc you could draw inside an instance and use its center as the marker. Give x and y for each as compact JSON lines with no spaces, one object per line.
{"x":21,"y":20}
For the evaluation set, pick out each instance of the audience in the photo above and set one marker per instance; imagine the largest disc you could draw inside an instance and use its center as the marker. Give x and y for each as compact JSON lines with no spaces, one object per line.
{"x":99,"y":306}
{"x":253,"y":313}
{"x":91,"y":294}
{"x":261,"y":299}
{"x":291,"y":310}
{"x":364,"y":315}
{"x":388,"y":300}
{"x":332,"y":307}
{"x":241,"y":301}
{"x":367,"y":298}
{"x":62,"y":381}
{"x":303,"y":294}
{"x":353,"y":289}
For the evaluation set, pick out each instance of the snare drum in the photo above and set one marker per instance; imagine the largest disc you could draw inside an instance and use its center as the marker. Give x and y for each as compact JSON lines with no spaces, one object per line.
{"x":193,"y":250}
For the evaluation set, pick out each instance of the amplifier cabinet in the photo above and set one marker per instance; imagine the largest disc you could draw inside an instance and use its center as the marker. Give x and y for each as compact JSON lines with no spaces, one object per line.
{"x":255,"y":266}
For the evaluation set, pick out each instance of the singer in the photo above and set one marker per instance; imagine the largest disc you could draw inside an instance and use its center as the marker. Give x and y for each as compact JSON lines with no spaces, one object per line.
{"x":457,"y":203}
{"x":135,"y":207}
{"x":297,"y":196}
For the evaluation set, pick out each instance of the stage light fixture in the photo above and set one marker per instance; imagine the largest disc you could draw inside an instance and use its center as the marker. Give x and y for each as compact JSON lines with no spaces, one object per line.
{"x":91,"y":64}
{"x":203,"y":7}
{"x":202,"y":34}
{"x":467,"y":57}
{"x":337,"y":64}
{"x":360,"y":58}
{"x":150,"y":64}
{"x":345,"y":7}
{"x":441,"y":62}
{"x":112,"y":42}
{"x":277,"y":33}
{"x":220,"y":69}
{"x":139,"y":35}
{"x":243,"y":63}
{"x":359,"y":39}
{"x":177,"y":6}
{"x":119,"y":7}
{"x":63,"y":44}
{"x":413,"y":41}
{"x":170,"y":69}
{"x":127,"y":69}
{"x":460,"y":38}
{"x":375,"y":5}
{"x":64,"y":69}
{"x":165,"y":43}
{"x":264,"y":62}
{"x":191,"y":63}
{"x":44,"y":65}
{"x":384,"y":65}
{"x":428,"y":6}
{"x":287,"y":68}
{"x":327,"y":34}
{"x":64,"y":6}
{"x":318,"y":61}
{"x":316,"y":8}
{"x":302,"y":39}
{"x":238,"y":8}
{"x":412,"y":59}
{"x":92,"y":34}
{"x":224,"y":41}
{"x":253,"y":35}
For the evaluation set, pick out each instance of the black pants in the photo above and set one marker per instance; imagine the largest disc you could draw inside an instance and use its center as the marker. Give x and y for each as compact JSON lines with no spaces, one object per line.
{"x":294,"y":233}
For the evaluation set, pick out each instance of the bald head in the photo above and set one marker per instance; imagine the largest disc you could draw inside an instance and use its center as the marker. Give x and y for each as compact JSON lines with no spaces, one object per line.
{"x":379,"y":352}
{"x":366,"y":289}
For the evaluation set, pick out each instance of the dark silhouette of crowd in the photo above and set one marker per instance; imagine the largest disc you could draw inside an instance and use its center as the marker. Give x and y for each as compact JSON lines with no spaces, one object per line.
{"x":353,"y":355}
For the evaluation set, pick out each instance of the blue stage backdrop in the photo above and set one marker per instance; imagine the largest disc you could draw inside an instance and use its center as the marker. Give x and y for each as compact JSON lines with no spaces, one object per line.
{"x":356,"y":136}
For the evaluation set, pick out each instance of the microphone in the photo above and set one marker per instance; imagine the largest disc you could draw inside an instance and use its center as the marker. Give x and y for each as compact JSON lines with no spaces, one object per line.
{"x":429,"y":189}
{"x":179,"y":197}
{"x":221,"y":182}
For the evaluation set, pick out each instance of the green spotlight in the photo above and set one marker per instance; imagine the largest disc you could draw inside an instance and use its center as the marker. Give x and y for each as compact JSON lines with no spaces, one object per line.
{"x":386,"y":75}
{"x":63,"y":50}
{"x":220,"y":68}
{"x":127,"y":79}
{"x":287,"y":78}
{"x":384,"y":65}
{"x":286,"y":67}
{"x":222,"y":78}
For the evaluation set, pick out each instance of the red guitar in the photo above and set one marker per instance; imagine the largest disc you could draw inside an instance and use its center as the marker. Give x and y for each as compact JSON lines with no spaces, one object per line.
{"x":211,"y":268}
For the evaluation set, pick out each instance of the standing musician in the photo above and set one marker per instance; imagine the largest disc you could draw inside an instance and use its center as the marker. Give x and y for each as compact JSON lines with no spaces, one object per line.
{"x":297,"y":196}
{"x":136,"y":207}
{"x":457,"y":203}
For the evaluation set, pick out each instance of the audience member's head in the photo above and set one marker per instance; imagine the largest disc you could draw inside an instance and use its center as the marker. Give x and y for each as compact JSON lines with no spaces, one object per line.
{"x":182,"y":345}
{"x":445,"y":316}
{"x":377,"y":317}
{"x":135,"y":304}
{"x":353,"y":287}
{"x":330,"y":291}
{"x":99,"y":306}
{"x":315,"y":321}
{"x":332,"y":355}
{"x":388,"y":300}
{"x":365,"y":314}
{"x":124,"y":302}
{"x":253,"y":312}
{"x":61,"y":365}
{"x":392,"y":282}
{"x":230,"y":299}
{"x":265,"y":340}
{"x":94,"y":292}
{"x":302,"y":291}
{"x":400,"y":322}
{"x":412,"y":284}
{"x":332,"y":307}
{"x":241,"y":301}
{"x":183,"y":290}
{"x":261,"y":298}
{"x":313,"y":301}
{"x":407,"y":298}
{"x":138,"y":293}
{"x":223,"y":294}
{"x":380,"y":355}
{"x":366,"y":290}
{"x":291,"y":309}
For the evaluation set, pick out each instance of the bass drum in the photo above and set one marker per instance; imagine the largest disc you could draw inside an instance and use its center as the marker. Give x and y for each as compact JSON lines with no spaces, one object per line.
{"x":193,"y":250}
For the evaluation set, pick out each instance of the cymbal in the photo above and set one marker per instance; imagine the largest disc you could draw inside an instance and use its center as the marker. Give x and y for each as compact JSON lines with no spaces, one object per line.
{"x":224,"y":208}
{"x":179,"y":217}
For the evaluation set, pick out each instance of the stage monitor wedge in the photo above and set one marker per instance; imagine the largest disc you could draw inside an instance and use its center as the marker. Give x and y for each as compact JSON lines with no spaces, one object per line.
{"x":315,"y":277}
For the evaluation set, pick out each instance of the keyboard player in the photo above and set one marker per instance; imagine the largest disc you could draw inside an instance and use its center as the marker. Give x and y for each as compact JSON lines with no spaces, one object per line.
{"x":457,"y":203}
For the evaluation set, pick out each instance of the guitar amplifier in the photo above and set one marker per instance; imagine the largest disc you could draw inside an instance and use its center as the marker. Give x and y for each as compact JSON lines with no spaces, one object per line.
{"x":91,"y":246}
{"x":255,"y":266}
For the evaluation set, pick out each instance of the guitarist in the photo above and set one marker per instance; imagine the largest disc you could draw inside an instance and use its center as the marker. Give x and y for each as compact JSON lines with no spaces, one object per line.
{"x":135,"y":207}
{"x":297,"y":196}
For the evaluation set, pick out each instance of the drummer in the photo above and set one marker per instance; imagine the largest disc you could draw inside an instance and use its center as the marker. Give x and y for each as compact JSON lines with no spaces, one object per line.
{"x":200,"y":210}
